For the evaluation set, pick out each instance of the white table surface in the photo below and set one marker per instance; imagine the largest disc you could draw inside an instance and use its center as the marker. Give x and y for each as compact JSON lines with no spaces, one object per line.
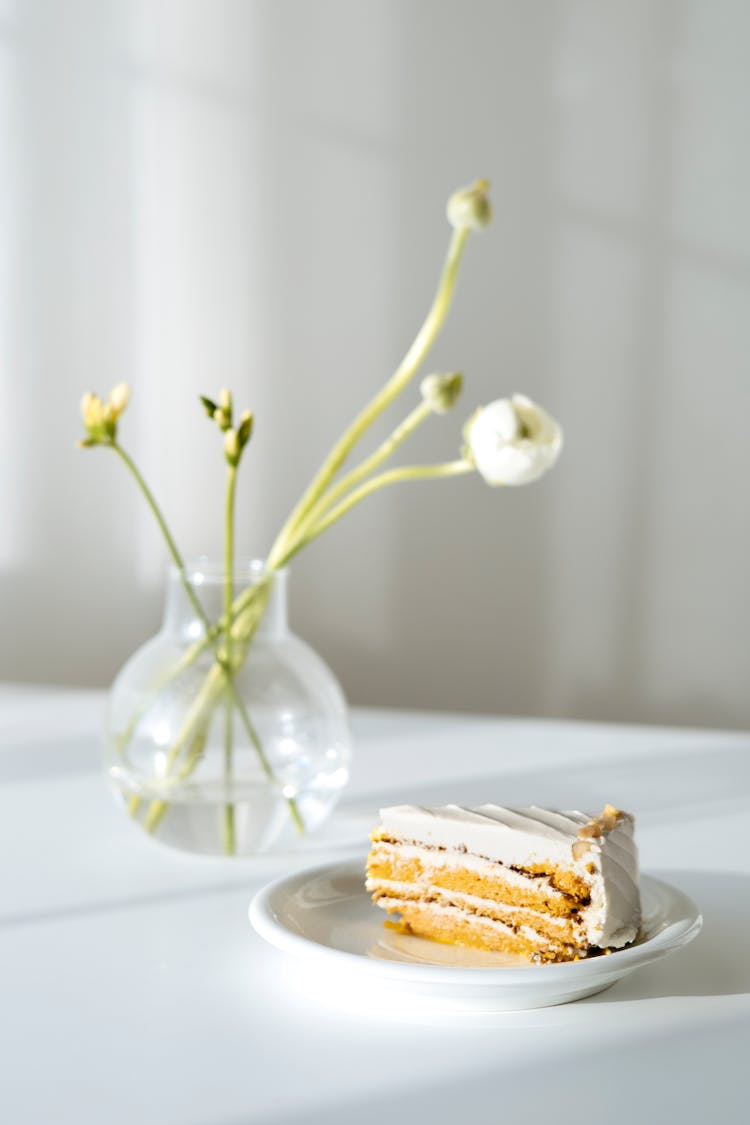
{"x":133,"y":990}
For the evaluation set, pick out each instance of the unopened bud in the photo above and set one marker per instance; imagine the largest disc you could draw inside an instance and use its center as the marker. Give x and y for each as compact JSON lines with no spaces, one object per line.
{"x":470,"y":207}
{"x":118,"y":400}
{"x":245,"y":428}
{"x":98,"y":420}
{"x":232,"y":447}
{"x":209,"y":406}
{"x":222,"y":419}
{"x":92,"y":410}
{"x":225,"y":401}
{"x":441,"y":392}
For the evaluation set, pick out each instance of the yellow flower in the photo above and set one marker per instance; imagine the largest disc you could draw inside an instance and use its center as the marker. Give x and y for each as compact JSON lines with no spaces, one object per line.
{"x":100,"y":418}
{"x":118,"y":399}
{"x":92,"y":411}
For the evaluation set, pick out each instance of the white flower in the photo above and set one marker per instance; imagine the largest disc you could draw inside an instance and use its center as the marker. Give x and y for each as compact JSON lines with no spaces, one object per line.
{"x":512,"y":441}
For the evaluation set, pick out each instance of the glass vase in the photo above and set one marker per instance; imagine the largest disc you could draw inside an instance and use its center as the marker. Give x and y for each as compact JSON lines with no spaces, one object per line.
{"x":231,"y":749}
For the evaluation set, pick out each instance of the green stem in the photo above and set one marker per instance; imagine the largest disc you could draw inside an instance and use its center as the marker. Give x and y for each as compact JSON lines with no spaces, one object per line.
{"x":401,"y":376}
{"x":168,"y":538}
{"x":209,"y":640}
{"x":157,"y":809}
{"x":312,"y":515}
{"x":381,"y":454}
{"x":229,"y":557}
{"x":393,"y":476}
{"x":213,"y":683}
{"x":229,"y":841}
{"x":244,"y":625}
{"x":228,"y":824}
{"x":199,"y":711}
{"x":239,"y":703}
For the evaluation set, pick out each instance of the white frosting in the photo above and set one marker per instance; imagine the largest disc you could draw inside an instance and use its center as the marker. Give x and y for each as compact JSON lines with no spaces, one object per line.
{"x":531,"y":837}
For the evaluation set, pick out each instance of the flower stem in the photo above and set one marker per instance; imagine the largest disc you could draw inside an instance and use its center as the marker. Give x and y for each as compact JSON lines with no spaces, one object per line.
{"x":311,"y":516}
{"x":245,"y":622}
{"x":401,"y":376}
{"x":168,"y":537}
{"x":381,"y":454}
{"x":228,"y":835}
{"x":229,"y":841}
{"x":209,"y":690}
{"x":383,"y":480}
{"x":158,"y":809}
{"x":209,"y":640}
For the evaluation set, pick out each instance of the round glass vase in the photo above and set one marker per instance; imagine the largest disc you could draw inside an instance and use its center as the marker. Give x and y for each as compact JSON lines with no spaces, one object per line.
{"x":220,"y":762}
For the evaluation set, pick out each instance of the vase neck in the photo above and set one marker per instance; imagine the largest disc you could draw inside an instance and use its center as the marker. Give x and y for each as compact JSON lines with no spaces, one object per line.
{"x":207,"y":580}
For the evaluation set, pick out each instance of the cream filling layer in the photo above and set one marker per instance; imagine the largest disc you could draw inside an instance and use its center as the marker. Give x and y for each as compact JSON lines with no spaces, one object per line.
{"x":395,"y":890}
{"x":610,"y":920}
{"x":538,"y":941}
{"x":477,"y":839}
{"x":434,"y":859}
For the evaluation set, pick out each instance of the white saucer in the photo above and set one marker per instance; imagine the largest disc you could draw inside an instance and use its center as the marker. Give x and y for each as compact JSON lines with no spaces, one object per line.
{"x":325,"y":915}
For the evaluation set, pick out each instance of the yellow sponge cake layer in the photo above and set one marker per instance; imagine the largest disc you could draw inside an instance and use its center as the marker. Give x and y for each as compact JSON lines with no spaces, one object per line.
{"x":453,"y":927}
{"x":547,"y":884}
{"x":474,"y":876}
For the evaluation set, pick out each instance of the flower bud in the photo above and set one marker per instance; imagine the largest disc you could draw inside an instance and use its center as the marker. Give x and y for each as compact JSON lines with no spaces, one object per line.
{"x":441,"y":392}
{"x":512,"y":441}
{"x":220,"y":412}
{"x":470,"y":207}
{"x":232,"y":448}
{"x":92,"y":411}
{"x":100,"y":418}
{"x":225,"y":401}
{"x":209,"y":406}
{"x":118,"y":399}
{"x":245,"y":428}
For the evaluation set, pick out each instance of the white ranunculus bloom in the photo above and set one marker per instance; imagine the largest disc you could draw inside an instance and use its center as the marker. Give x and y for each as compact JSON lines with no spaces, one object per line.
{"x":512,"y":441}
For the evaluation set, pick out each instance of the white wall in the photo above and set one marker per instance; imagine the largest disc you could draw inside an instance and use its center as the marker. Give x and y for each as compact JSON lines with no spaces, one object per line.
{"x":196,"y":194}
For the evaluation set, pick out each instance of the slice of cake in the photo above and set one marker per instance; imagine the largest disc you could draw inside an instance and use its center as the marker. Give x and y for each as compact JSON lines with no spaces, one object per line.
{"x":554,"y":886}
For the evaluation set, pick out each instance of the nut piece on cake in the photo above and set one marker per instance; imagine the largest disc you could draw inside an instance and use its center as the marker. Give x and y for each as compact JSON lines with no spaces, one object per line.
{"x":550,"y":885}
